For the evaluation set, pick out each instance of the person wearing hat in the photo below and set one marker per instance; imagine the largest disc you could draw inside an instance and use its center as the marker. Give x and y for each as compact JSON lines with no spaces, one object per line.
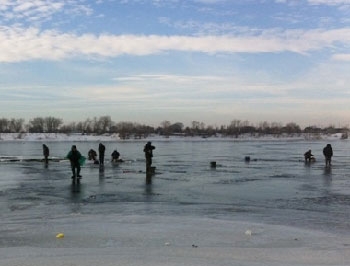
{"x":148,"y":150}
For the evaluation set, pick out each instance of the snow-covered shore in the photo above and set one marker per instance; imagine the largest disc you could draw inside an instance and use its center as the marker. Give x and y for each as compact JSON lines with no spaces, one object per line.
{"x":56,"y":137}
{"x":116,"y":137}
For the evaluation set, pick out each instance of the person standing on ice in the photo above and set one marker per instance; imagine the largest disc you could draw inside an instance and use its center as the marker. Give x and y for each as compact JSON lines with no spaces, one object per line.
{"x":328,"y":153}
{"x":148,"y":150}
{"x":46,"y":153}
{"x":75,"y":159}
{"x":101,"y":153}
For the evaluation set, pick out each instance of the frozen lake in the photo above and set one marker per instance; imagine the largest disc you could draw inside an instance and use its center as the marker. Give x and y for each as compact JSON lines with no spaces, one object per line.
{"x":276,"y":188}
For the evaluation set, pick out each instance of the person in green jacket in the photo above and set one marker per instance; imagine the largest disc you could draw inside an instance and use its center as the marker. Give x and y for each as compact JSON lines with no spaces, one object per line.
{"x":75,"y":159}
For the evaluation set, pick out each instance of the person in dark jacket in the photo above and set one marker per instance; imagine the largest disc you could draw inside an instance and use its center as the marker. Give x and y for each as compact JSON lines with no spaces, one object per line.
{"x":101,"y":152}
{"x":308,"y":156}
{"x":74,"y":157}
{"x":115,"y":156}
{"x":328,"y":153}
{"x":46,"y":153}
{"x":148,"y":150}
{"x":92,"y":154}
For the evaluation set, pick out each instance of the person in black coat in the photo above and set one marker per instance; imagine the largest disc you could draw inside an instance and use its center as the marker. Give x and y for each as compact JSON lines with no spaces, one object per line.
{"x":74,"y":157}
{"x":308,"y":156}
{"x":101,"y":152}
{"x":46,"y":153}
{"x":328,"y":153}
{"x":148,"y":150}
{"x":115,"y":156}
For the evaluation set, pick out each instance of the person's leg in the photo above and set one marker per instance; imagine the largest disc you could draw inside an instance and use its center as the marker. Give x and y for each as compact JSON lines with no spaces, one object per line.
{"x":148,"y":163}
{"x":78,"y":170}
{"x":73,"y":170}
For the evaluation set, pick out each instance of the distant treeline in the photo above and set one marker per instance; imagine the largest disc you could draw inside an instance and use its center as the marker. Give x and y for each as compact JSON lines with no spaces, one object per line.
{"x":104,"y":124}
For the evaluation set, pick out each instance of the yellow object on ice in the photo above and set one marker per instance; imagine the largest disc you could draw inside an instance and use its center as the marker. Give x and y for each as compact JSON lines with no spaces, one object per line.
{"x":60,"y":235}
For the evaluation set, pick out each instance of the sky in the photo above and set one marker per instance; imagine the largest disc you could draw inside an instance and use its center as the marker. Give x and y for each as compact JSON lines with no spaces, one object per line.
{"x":149,"y":61}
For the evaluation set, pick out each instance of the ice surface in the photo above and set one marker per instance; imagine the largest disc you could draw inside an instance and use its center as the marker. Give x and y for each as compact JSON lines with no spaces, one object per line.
{"x":164,"y":240}
{"x":273,"y":211}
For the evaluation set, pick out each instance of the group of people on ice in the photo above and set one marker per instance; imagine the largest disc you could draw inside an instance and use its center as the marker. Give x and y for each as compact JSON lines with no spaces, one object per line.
{"x":92,"y":155}
{"x":77,"y":159}
{"x":327,"y":152}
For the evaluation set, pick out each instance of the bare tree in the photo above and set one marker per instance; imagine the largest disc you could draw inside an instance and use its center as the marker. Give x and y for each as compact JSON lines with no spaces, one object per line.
{"x":234,"y":128}
{"x":176,"y":127}
{"x":52,"y":124}
{"x":165,"y":127}
{"x":4,"y":123}
{"x":16,"y":125}
{"x":105,"y":124}
{"x":36,"y":125}
{"x":292,"y":127}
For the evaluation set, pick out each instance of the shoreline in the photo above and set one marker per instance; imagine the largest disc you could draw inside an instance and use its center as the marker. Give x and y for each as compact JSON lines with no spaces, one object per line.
{"x":51,"y":137}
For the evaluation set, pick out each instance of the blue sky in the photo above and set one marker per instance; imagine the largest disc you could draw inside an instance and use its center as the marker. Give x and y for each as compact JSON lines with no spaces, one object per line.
{"x":178,"y":60}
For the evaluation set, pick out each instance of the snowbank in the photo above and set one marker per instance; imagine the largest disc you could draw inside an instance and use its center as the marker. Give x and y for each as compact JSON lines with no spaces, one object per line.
{"x":55,"y":137}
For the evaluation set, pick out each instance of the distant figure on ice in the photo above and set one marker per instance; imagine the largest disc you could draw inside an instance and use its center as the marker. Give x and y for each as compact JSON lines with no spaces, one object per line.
{"x":148,"y":150}
{"x":116,"y":156}
{"x":309,"y":157}
{"x":46,"y":153}
{"x":101,"y":152}
{"x":328,"y":153}
{"x":75,"y":159}
{"x":92,"y":155}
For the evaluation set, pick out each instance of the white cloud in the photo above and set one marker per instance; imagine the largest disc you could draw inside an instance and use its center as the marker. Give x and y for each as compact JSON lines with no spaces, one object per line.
{"x":209,"y":1}
{"x":20,"y":44}
{"x":169,"y":78}
{"x":40,"y":10}
{"x":341,"y":57}
{"x":329,"y":2}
